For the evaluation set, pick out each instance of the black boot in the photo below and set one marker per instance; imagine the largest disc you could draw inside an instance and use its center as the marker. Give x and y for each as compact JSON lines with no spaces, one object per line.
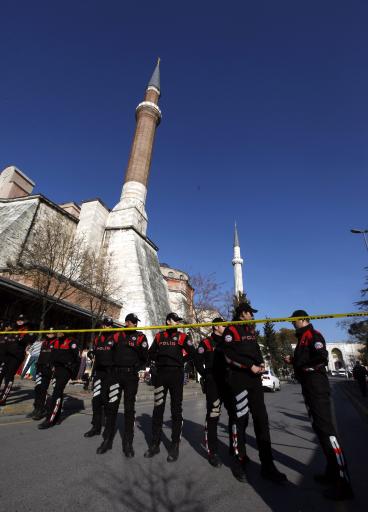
{"x":238,"y":471}
{"x":105,"y":446}
{"x":39,"y":414}
{"x":128,"y":450}
{"x":173,"y":452}
{"x":214,"y":460}
{"x":45,"y":424}
{"x":270,"y":472}
{"x":153,"y":450}
{"x":94,"y":431}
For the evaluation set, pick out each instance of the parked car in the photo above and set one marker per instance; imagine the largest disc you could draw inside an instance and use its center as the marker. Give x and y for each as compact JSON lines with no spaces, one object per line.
{"x":270,"y":381}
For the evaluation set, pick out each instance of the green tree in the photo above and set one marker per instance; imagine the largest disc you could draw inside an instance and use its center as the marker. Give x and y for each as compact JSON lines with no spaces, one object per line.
{"x":271,"y":349}
{"x":359,"y":330}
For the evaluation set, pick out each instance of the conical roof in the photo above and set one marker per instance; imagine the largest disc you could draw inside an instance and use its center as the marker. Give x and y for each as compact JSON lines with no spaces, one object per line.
{"x":236,"y":237}
{"x":155,"y":78}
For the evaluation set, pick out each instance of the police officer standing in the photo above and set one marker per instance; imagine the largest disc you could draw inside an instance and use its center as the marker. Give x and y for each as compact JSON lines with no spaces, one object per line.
{"x":44,"y":373}
{"x":129,"y":356}
{"x":102,"y":367}
{"x":310,"y":360}
{"x":5,"y":326}
{"x":166,"y":354}
{"x":15,"y":352}
{"x":359,"y":374}
{"x":211,"y":368}
{"x":65,"y":360}
{"x":245,"y":366}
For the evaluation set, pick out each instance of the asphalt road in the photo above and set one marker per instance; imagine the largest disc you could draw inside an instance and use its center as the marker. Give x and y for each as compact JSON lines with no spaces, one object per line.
{"x":58,"y":470}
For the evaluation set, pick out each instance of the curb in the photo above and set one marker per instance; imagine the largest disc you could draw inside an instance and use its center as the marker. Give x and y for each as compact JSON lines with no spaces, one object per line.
{"x":81,"y":402}
{"x":361,"y":407}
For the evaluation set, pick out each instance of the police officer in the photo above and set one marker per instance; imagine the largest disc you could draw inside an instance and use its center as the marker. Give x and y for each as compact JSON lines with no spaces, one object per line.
{"x":245,"y":366}
{"x":65,"y":360}
{"x":44,"y":373}
{"x":359,"y":374}
{"x":210,"y":365}
{"x":310,"y":360}
{"x":166,"y":355}
{"x":102,"y":367}
{"x":15,"y":352}
{"x":129,"y":356}
{"x":5,"y":326}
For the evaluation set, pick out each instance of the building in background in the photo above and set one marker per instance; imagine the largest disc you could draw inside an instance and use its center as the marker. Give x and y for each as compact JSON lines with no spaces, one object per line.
{"x":237,"y":262}
{"x":142,"y":285}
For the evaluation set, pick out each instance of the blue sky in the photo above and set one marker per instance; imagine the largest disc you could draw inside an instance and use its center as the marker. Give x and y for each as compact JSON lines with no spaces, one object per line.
{"x":264,"y":122}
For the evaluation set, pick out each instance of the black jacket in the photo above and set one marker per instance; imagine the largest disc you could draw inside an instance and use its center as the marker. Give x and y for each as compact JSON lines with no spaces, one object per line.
{"x":130,"y":349}
{"x":208,"y":356}
{"x":241,"y":348}
{"x":310,"y":353}
{"x":17,"y":343}
{"x":103,"y":347}
{"x":44,"y":359}
{"x":170,"y":348}
{"x":65,"y":352}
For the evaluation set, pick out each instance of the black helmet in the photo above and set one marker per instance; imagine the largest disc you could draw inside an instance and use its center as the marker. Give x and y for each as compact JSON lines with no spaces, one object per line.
{"x":108,"y":322}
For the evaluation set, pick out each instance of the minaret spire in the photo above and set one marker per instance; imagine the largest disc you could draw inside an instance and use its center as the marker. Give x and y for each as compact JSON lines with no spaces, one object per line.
{"x":237,"y":264}
{"x":133,"y":196}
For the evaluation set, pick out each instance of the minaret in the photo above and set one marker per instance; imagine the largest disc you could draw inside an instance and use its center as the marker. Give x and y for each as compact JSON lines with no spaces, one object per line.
{"x":136,"y":269}
{"x":237,"y":264}
{"x":133,"y":196}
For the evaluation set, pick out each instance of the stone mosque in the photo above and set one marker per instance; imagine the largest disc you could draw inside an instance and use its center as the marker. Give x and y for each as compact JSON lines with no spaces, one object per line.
{"x":146,"y":288}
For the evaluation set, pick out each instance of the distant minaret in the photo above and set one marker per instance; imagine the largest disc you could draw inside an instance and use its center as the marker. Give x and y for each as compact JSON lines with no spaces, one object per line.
{"x":133,"y":196}
{"x":237,"y":264}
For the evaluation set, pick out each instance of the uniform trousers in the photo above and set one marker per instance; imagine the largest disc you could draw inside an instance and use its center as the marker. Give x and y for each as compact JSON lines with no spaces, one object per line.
{"x":247,"y":395}
{"x":316,"y":392}
{"x":62,"y":375}
{"x":43,"y":379}
{"x":169,"y":378}
{"x":122,"y":379}
{"x":11,"y":364}
{"x":100,"y":387}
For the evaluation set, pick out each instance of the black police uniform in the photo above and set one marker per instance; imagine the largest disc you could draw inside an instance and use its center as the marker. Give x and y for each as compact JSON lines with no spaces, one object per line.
{"x":65,"y":360}
{"x":211,"y":366}
{"x":102,"y":367}
{"x":15,"y":352}
{"x":309,"y":360}
{"x":129,"y":356}
{"x":242,"y":352}
{"x":167,"y":353}
{"x":44,"y":373}
{"x":3,"y":340}
{"x":359,"y":374}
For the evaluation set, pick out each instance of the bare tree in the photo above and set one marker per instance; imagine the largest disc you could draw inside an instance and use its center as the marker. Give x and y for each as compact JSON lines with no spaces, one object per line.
{"x":97,"y":280}
{"x":51,"y":261}
{"x":207,"y":302}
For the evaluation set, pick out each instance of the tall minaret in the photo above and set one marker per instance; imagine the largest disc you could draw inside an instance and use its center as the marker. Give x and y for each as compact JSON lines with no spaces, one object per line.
{"x":136,"y":268}
{"x":237,"y":264}
{"x":133,"y":196}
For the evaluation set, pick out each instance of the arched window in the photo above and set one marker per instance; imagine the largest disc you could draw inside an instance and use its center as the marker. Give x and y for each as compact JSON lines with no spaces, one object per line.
{"x":171,"y":274}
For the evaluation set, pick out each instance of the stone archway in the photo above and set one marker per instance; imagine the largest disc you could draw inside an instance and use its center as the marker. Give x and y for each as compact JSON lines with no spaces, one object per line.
{"x":337,"y":359}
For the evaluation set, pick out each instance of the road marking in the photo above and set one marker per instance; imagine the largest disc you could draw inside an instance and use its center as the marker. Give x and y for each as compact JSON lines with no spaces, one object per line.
{"x":15,"y":423}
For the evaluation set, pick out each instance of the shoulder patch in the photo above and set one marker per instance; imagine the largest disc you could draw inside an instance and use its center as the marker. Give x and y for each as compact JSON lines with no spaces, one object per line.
{"x":144,"y":344}
{"x":189,"y":342}
{"x":73,"y":345}
{"x":200,"y":350}
{"x":318,"y":345}
{"x":228,"y":338}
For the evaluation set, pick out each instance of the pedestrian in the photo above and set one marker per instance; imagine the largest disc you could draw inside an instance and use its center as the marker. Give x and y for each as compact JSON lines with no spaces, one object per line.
{"x":210,"y":365}
{"x":359,"y":374}
{"x":102,"y":368}
{"x":167,"y":356}
{"x":15,"y":351}
{"x":129,"y":356}
{"x":245,"y":367}
{"x":65,"y":360}
{"x":309,"y":361}
{"x":44,"y":372}
{"x":33,"y":352}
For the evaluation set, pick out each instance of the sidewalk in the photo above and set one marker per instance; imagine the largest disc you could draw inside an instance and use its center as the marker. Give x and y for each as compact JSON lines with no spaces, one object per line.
{"x":21,"y":397}
{"x":350,"y":388}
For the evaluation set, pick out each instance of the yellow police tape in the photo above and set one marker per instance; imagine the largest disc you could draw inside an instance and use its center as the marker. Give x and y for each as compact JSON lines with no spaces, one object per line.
{"x":203,"y":324}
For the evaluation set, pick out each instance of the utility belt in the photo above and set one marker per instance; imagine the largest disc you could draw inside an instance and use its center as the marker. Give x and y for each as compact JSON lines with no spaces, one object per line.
{"x":119,"y":370}
{"x":312,"y":369}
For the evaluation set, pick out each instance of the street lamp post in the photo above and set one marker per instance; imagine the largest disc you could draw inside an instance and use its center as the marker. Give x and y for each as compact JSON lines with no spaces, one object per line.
{"x":361,"y":232}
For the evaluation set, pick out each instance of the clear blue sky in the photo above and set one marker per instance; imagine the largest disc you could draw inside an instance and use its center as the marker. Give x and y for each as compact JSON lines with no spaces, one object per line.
{"x":264,"y":121}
